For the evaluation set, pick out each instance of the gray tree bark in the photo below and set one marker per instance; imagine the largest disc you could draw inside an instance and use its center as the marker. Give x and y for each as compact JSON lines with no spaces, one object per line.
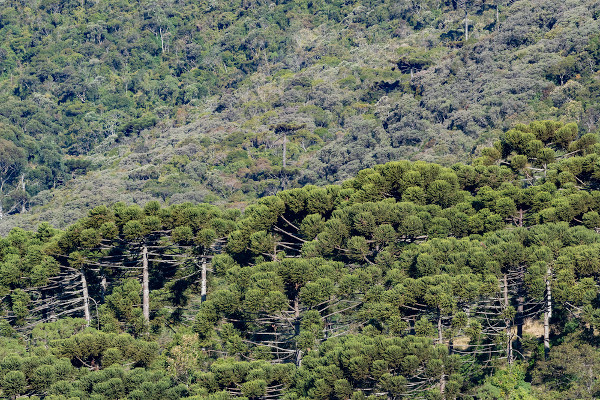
{"x":23,"y":209}
{"x":509,"y":352}
{"x":547,"y":313}
{"x":145,"y":285}
{"x":466,"y":25}
{"x":284,"y":149}
{"x":203,"y":287}
{"x":86,"y":299}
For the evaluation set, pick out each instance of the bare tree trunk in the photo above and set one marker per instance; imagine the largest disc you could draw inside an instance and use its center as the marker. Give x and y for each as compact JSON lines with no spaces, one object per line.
{"x":519,"y":321}
{"x":548,"y":313}
{"x":466,"y":24}
{"x":298,"y":358}
{"x":23,"y":209}
{"x":497,"y":17}
{"x":203,"y":287}
{"x":145,"y":285}
{"x":509,"y":352}
{"x":297,"y":325}
{"x":162,"y":40}
{"x":86,"y":299}
{"x":297,"y":310}
{"x":296,"y":307}
{"x":103,"y":285}
{"x":440,"y":341}
{"x":439,"y":326}
{"x":1,"y":211}
{"x":284,"y":149}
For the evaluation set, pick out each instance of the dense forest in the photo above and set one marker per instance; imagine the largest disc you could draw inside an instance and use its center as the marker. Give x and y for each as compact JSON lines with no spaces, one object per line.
{"x":179,"y":101}
{"x":313,"y":199}
{"x":410,"y":280}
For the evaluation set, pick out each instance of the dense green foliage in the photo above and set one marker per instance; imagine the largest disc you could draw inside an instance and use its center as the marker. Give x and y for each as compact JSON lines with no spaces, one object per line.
{"x":348,"y":274}
{"x":411,"y":280}
{"x":180,"y":101}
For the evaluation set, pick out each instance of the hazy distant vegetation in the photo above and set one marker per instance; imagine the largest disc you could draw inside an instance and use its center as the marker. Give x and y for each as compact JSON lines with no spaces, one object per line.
{"x":177,"y":101}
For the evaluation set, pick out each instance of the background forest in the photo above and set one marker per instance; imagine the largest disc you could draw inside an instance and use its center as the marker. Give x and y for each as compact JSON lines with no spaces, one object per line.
{"x":205,"y":200}
{"x":179,"y":101}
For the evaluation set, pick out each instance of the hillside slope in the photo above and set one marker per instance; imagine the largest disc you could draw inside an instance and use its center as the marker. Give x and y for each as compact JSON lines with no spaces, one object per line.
{"x":410,"y":280}
{"x":190,"y":114}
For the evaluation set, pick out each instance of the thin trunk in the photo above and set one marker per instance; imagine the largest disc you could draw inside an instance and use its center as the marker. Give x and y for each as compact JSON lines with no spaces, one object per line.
{"x":497,"y":18}
{"x":298,"y":358}
{"x":519,"y":321}
{"x":284,"y":178}
{"x":162,"y":41}
{"x":439,"y":326}
{"x":466,"y":24}
{"x":23,"y":210}
{"x":296,"y":307}
{"x":297,"y":323}
{"x":521,"y":217}
{"x":509,"y":354}
{"x":1,"y":187}
{"x":103,"y":285}
{"x":203,"y":288}
{"x":440,"y":341}
{"x":86,"y":299}
{"x":297,"y":310}
{"x":284,"y":149}
{"x":145,"y":285}
{"x":548,"y":313}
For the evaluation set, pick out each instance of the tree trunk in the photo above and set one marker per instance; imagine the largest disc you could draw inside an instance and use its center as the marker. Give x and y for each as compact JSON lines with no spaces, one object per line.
{"x":509,"y":352}
{"x":298,"y":358}
{"x":297,"y":310}
{"x":162,"y":40}
{"x":103,"y":285}
{"x":466,"y":24}
{"x":497,"y":18}
{"x":297,"y":324}
{"x":519,"y":321}
{"x":547,"y":314}
{"x":86,"y":299}
{"x":23,"y":209}
{"x":296,"y":307}
{"x":284,"y":149}
{"x":145,"y":285}
{"x":1,"y":211}
{"x":203,"y":287}
{"x":439,"y":326}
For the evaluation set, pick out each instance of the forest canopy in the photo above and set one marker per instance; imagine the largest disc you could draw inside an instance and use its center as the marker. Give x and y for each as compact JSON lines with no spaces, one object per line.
{"x":410,"y":280}
{"x":179,"y":101}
